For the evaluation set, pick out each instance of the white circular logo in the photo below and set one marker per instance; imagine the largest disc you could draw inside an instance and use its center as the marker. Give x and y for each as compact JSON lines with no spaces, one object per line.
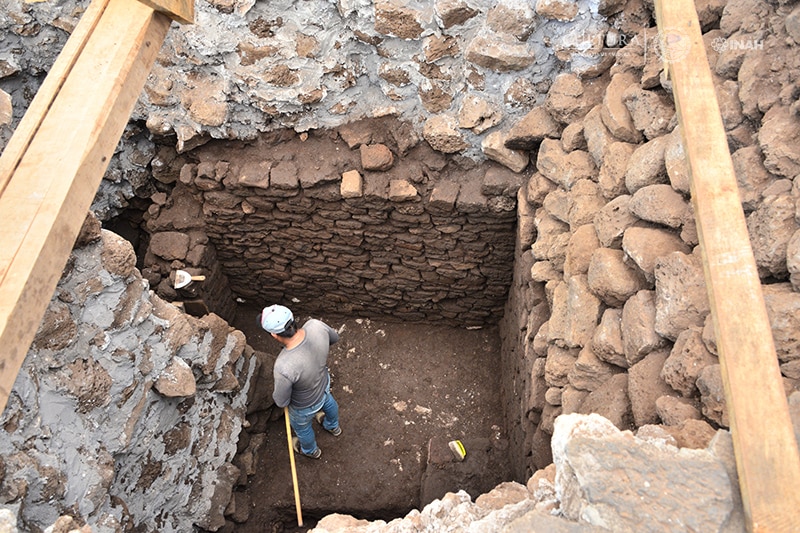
{"x":719,"y":44}
{"x":673,"y":45}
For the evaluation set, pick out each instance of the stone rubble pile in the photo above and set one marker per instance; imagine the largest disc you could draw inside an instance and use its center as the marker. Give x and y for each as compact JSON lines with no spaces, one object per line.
{"x":602,"y":479}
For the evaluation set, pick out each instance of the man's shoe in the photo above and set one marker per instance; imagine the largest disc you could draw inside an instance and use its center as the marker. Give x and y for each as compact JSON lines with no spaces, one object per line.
{"x":316,"y":454}
{"x":319,"y":417}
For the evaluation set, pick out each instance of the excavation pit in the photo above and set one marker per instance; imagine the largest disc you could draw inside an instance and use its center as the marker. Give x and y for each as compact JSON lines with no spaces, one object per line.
{"x":410,"y":255}
{"x":404,"y":391}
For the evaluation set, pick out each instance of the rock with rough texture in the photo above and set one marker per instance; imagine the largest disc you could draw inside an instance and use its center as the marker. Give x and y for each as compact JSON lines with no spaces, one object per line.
{"x":793,"y":260}
{"x":611,"y":401}
{"x":494,"y":147}
{"x":575,"y":314}
{"x":176,"y":380}
{"x":652,"y":112}
{"x":557,"y":9}
{"x":712,"y":395}
{"x":645,"y":245}
{"x":639,"y":336}
{"x":532,"y":129}
{"x":646,"y":165}
{"x":376,"y":157}
{"x":569,"y":99}
{"x":615,"y":113}
{"x":675,"y":411}
{"x":662,"y":482}
{"x":590,"y":372}
{"x":660,"y":204}
{"x":771,"y":226}
{"x":478,"y":114}
{"x":552,"y":238}
{"x":645,"y":386}
{"x":611,"y":279}
{"x":613,"y":220}
{"x":573,"y":137}
{"x":509,"y":16}
{"x":680,"y":297}
{"x":676,"y":163}
{"x":598,"y":138}
{"x":688,"y":358}
{"x":752,"y":177}
{"x":607,"y":340}
{"x":778,"y":139}
{"x":582,"y":243}
{"x":563,"y":168}
{"x":783,"y":309}
{"x":613,"y":169}
{"x":539,"y":187}
{"x":352,"y":184}
{"x":442,"y":133}
{"x":170,"y":245}
{"x":6,"y":109}
{"x":394,"y":18}
{"x":453,"y":12}
{"x":584,"y":200}
{"x":499,"y":52}
{"x":759,"y":89}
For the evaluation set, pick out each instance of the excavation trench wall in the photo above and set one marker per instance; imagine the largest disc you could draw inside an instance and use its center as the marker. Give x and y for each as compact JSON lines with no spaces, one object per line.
{"x":330,"y":225}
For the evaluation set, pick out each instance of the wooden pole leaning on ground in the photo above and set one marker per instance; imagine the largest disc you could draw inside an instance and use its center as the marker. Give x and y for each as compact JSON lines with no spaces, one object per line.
{"x":53,"y":164}
{"x":295,"y":486}
{"x":767,"y":458}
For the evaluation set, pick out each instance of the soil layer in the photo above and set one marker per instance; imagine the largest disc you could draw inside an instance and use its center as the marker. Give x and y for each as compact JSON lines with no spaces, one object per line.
{"x":404,"y":391}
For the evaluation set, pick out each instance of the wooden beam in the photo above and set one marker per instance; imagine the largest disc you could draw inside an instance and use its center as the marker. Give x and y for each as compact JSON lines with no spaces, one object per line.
{"x":56,"y":178}
{"x":766,"y":451}
{"x":180,"y":10}
{"x":37,"y":110}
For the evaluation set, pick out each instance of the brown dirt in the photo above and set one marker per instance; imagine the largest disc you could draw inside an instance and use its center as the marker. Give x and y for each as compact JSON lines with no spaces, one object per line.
{"x":404,"y":391}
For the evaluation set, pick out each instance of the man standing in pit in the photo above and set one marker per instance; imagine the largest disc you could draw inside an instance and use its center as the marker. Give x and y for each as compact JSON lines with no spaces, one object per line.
{"x":302,"y":380}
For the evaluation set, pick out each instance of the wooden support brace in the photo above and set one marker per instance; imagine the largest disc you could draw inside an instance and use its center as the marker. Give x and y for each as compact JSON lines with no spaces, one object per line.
{"x":766,"y":451}
{"x":53,"y":165}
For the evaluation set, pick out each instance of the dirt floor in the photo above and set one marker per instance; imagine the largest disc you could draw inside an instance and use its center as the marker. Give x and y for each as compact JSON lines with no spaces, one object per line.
{"x":404,"y":391}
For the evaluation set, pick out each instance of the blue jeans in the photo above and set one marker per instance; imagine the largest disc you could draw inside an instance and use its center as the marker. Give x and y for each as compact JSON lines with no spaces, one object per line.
{"x":301,"y":420}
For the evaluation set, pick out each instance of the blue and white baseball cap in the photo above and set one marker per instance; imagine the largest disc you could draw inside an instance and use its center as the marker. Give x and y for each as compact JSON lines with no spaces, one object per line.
{"x":275,"y":318}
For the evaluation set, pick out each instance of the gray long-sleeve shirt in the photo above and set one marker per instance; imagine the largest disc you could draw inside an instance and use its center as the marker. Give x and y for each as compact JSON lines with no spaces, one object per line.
{"x":301,"y":374}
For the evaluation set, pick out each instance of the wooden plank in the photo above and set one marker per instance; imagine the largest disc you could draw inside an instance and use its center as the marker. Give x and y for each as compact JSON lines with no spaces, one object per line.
{"x":179,"y":10}
{"x":51,"y":190}
{"x":61,"y":68}
{"x":766,"y":451}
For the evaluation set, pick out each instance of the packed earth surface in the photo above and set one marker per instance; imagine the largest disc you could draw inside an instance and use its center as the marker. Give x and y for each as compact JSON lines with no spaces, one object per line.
{"x":404,"y":391}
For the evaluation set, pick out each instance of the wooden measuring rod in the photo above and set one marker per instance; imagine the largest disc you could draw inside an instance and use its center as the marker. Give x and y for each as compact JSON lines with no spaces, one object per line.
{"x":767,"y":458}
{"x":53,"y":164}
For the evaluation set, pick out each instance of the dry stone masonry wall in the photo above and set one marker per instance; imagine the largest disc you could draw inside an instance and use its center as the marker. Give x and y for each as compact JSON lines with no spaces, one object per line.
{"x":609,"y":312}
{"x":337,"y":223}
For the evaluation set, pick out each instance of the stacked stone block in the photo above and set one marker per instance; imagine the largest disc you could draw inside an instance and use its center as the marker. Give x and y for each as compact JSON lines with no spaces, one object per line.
{"x":411,"y":242}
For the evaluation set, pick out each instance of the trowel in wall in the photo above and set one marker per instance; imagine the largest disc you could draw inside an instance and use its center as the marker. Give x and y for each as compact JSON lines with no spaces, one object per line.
{"x":183,"y":278}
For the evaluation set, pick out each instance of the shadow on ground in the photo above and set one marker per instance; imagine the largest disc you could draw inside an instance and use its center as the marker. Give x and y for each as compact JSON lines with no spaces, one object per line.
{"x":405,"y":391}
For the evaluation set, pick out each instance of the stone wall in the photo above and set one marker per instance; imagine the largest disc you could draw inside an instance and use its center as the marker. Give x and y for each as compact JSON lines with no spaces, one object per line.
{"x":338,"y":223}
{"x":247,"y":67}
{"x":126,"y":412}
{"x":608,"y":311}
